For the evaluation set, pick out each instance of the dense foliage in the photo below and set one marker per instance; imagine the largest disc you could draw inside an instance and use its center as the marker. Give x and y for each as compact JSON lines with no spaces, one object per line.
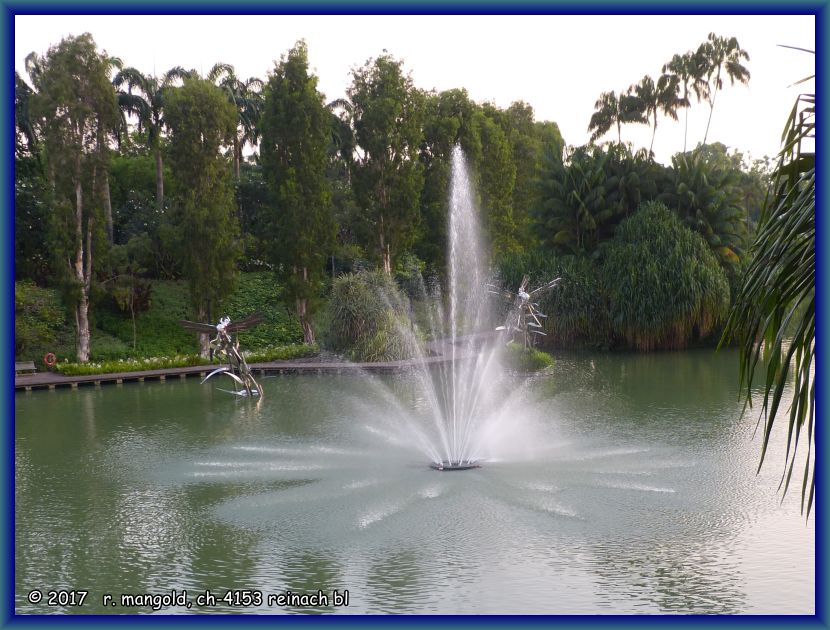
{"x":190,"y":178}
{"x":663,"y":285}
{"x":776,"y":302}
{"x":369,"y":318}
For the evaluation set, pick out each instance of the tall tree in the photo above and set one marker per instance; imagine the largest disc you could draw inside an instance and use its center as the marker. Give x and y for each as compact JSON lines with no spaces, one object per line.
{"x":497,"y":173}
{"x":246,"y":97}
{"x":201,"y":120}
{"x":612,"y":111}
{"x":653,"y":98}
{"x":450,"y":118}
{"x":387,"y":175}
{"x":75,"y":108}
{"x":296,"y":129}
{"x":144,"y":97}
{"x":690,"y":70}
{"x":723,"y":56}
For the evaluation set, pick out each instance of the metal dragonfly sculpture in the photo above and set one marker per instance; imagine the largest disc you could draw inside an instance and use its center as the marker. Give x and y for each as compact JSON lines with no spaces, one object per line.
{"x":226,"y":348}
{"x":524,"y":314}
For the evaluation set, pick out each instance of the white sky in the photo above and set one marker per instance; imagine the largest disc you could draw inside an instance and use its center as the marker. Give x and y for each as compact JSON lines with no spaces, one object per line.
{"x":557,"y":64}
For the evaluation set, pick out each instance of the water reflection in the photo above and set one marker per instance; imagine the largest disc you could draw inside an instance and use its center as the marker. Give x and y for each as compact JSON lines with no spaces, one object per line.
{"x":625,"y":483}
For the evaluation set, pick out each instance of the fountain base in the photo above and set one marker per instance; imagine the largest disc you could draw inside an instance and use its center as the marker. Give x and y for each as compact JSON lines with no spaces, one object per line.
{"x":454,"y":465}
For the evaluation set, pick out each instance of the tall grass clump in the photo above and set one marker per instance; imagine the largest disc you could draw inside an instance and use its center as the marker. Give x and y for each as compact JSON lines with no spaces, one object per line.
{"x":368,"y":318}
{"x":663,"y":284}
{"x":577,"y":313}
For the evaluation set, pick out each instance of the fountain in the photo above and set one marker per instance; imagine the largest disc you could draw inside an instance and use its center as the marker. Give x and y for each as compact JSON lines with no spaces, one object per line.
{"x":462,"y":391}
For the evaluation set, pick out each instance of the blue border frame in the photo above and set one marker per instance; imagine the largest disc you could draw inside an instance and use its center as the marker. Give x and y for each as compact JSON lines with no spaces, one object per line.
{"x":8,"y":9}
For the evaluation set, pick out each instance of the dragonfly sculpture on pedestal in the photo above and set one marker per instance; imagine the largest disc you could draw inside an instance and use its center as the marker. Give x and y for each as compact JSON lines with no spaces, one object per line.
{"x":524,"y":315}
{"x":225,"y":347}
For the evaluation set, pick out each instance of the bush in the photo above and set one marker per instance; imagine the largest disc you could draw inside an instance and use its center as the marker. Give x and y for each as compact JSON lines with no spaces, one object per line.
{"x":130,"y":365}
{"x":576,"y":310}
{"x":282,"y":353}
{"x":39,"y":320}
{"x":368,"y":318}
{"x":522,"y":359}
{"x":663,"y":283}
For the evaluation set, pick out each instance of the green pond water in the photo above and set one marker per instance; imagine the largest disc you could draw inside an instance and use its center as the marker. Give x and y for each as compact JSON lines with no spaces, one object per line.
{"x":617,"y":483}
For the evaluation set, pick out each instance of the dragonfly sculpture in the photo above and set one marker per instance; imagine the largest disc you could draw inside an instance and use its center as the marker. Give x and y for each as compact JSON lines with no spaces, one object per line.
{"x":524,"y":315}
{"x":226,"y":348}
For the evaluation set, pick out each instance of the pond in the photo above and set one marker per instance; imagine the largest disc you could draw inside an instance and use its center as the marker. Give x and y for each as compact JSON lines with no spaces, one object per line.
{"x":623,"y":483}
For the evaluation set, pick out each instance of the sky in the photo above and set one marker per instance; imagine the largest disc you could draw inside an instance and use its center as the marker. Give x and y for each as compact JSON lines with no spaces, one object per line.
{"x":557,"y":64}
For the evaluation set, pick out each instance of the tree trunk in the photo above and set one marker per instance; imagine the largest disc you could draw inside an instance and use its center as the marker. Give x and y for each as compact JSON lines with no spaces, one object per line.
{"x":712,"y":107}
{"x":82,"y":307}
{"x":384,"y":251}
{"x":83,"y":304}
{"x":653,"y":133}
{"x":686,"y":131}
{"x":237,"y":158}
{"x":204,"y":338}
{"x":105,"y":193}
{"x":159,"y":180}
{"x":302,"y":311}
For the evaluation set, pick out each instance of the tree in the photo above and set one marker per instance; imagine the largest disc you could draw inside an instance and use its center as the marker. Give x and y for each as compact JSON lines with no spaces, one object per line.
{"x":612,"y":110}
{"x":574,"y":215}
{"x":200,"y":120}
{"x":497,"y":173}
{"x":774,"y":314}
{"x":690,"y":70}
{"x":662,"y":282}
{"x":722,"y":55}
{"x":707,"y":196}
{"x":144,"y":98}
{"x":294,"y":151}
{"x":387,"y":176}
{"x":651,"y":99}
{"x":450,"y":118}
{"x":75,"y":108}
{"x":246,"y":97}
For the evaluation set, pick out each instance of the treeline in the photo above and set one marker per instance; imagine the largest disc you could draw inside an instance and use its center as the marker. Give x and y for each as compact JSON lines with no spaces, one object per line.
{"x":123,"y":178}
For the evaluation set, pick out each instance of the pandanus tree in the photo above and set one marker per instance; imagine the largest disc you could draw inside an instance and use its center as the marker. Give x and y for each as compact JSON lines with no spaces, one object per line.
{"x":246,"y":97}
{"x":774,"y":314}
{"x":144,"y":97}
{"x":723,"y":59}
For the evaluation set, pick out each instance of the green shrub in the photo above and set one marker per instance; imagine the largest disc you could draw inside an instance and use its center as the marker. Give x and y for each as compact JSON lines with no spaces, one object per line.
{"x":282,"y":353}
{"x":39,"y":321}
{"x":576,"y":310}
{"x":368,"y":318}
{"x":663,"y":283}
{"x":129,"y":365}
{"x":522,"y":359}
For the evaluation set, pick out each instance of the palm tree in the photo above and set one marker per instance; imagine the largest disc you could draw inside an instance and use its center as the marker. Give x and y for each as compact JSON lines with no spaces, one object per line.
{"x":774,"y":313}
{"x":575,"y":213}
{"x":144,"y":98}
{"x":246,"y":97}
{"x":690,"y":70}
{"x":722,"y":55}
{"x":708,"y":198}
{"x":651,"y":99}
{"x":612,"y":110}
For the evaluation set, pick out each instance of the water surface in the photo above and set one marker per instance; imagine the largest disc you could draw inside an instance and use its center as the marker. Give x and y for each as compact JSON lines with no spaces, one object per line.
{"x":618,"y":483}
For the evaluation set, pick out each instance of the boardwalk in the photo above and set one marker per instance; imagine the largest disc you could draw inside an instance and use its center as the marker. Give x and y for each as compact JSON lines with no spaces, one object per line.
{"x":51,"y":380}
